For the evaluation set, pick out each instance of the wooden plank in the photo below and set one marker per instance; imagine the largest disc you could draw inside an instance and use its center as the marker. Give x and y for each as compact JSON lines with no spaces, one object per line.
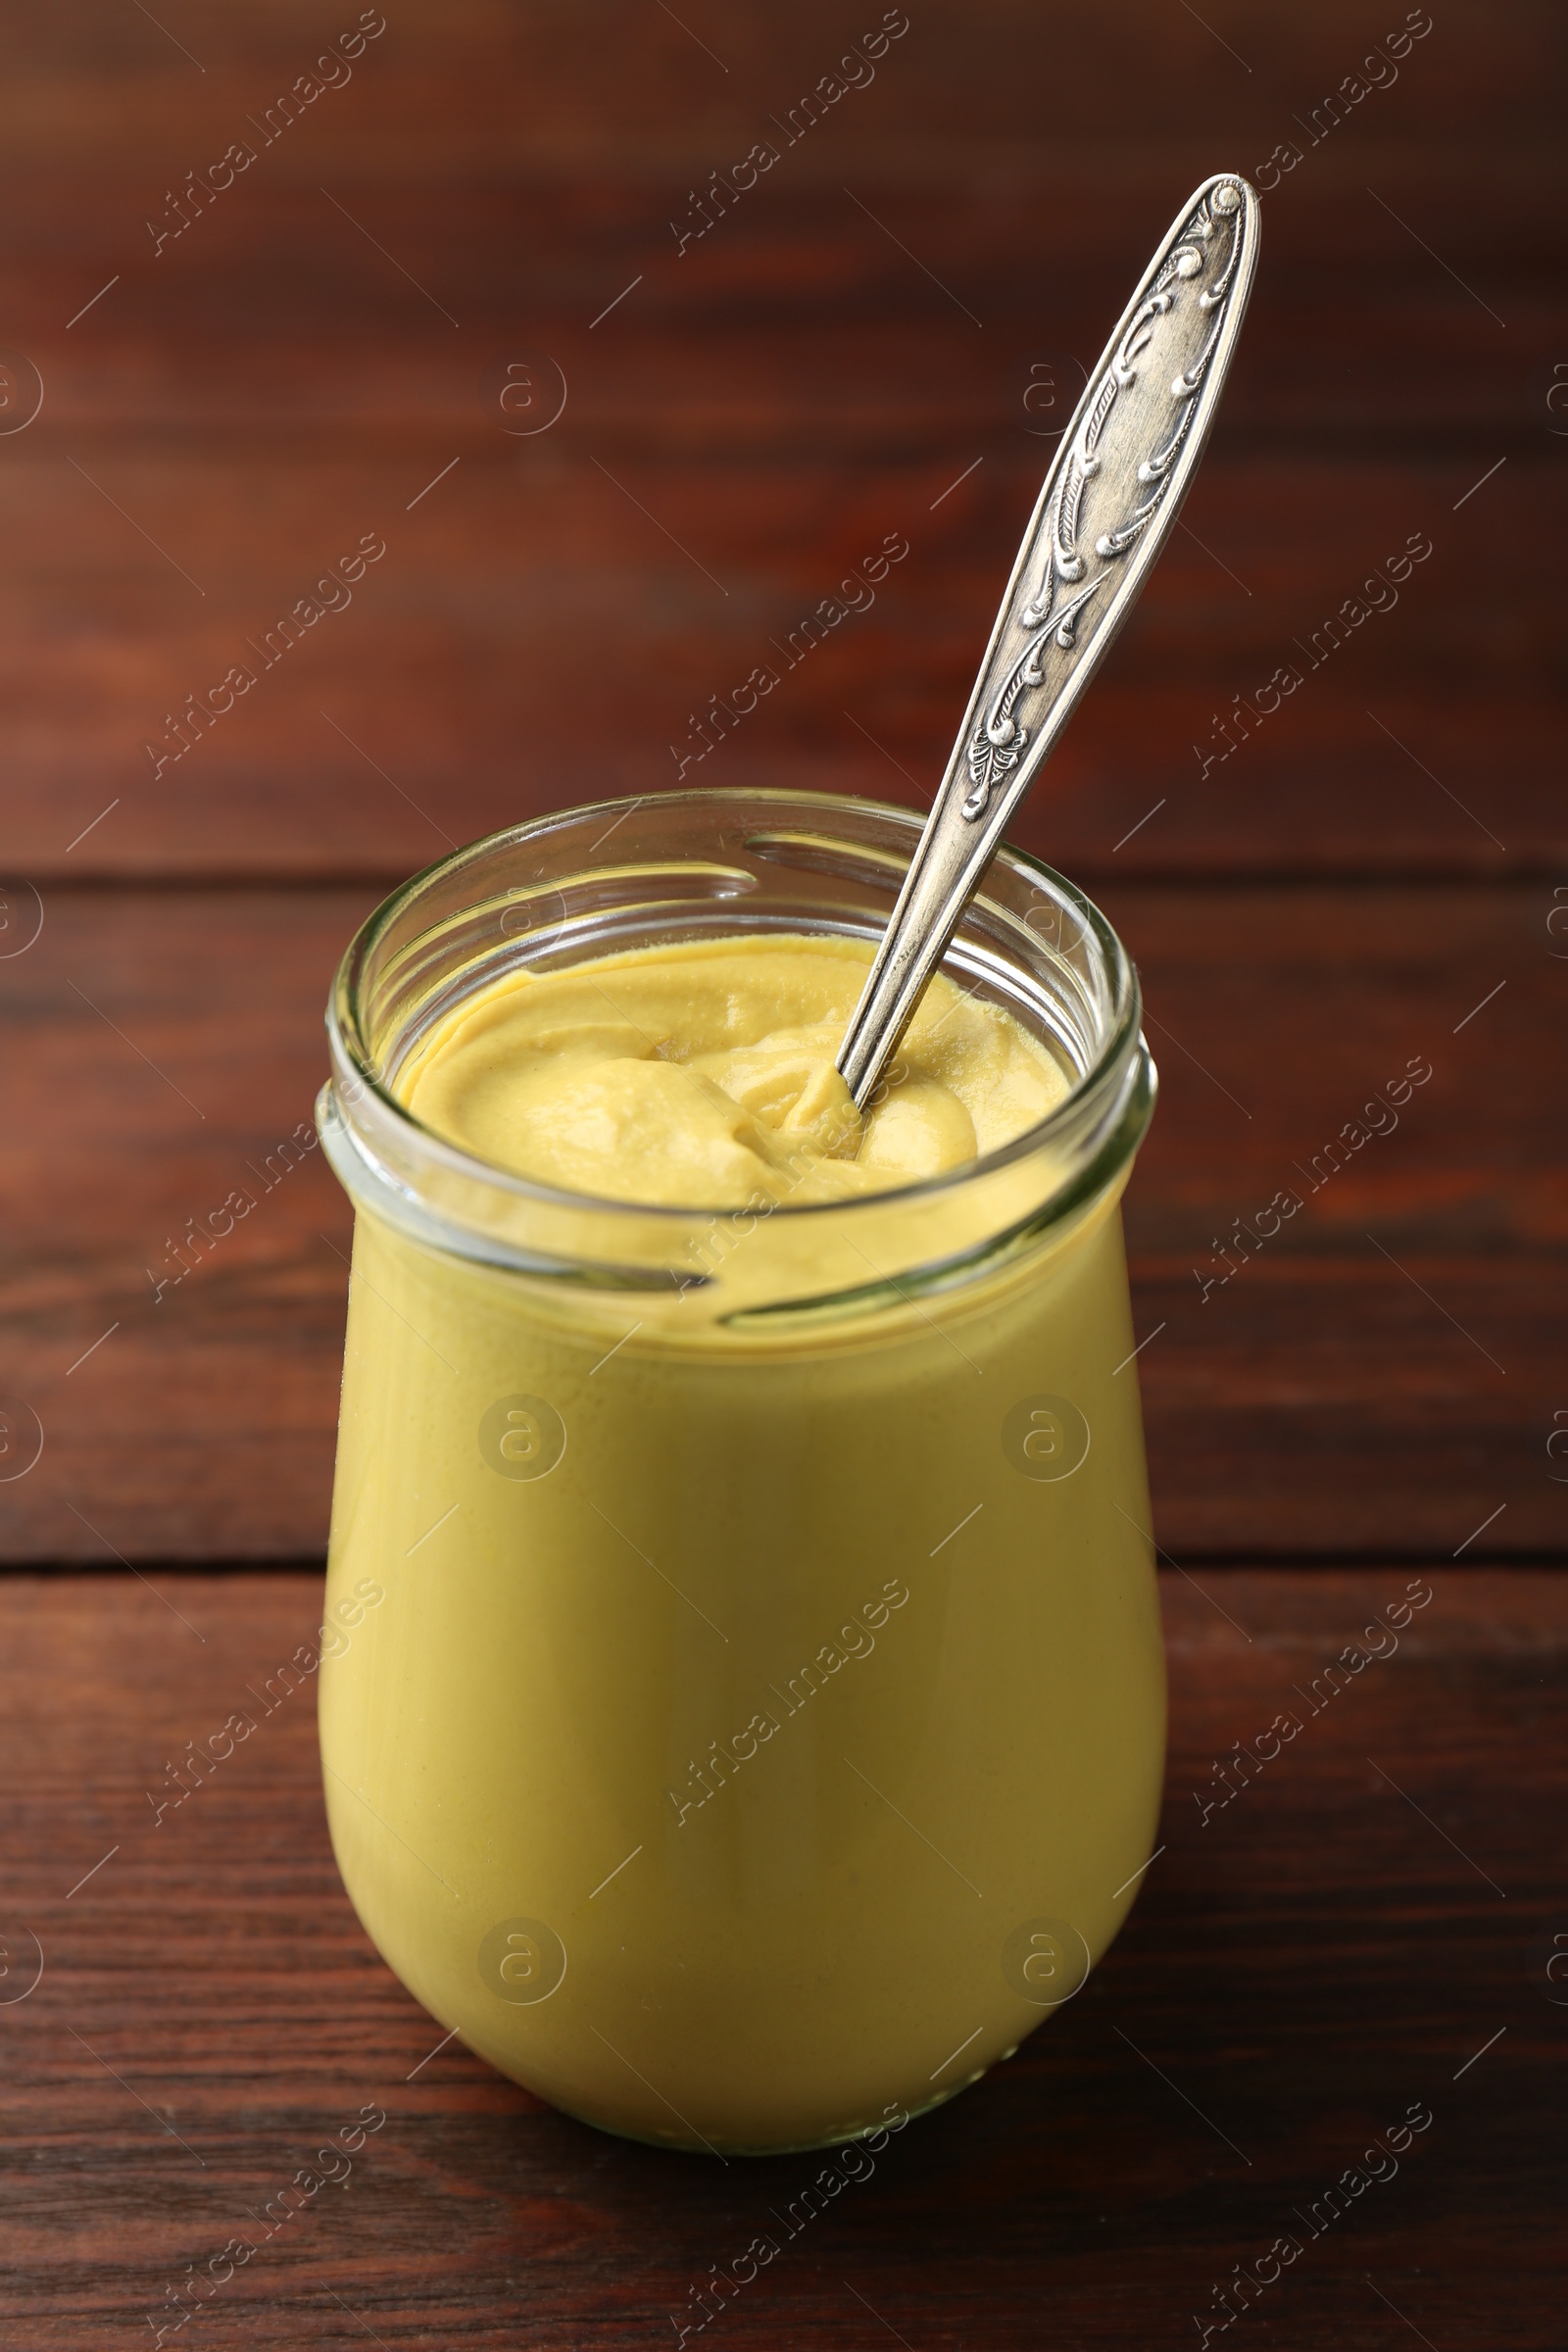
{"x":1378,"y":1378}
{"x":263,"y":389}
{"x":1359,"y":1362}
{"x":652,"y":101}
{"x":467,"y":679}
{"x":173,"y":1049}
{"x":1363,"y":1929}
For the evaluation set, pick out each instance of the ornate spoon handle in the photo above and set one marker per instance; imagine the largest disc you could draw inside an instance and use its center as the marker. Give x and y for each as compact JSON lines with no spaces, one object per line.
{"x":1114,"y":488}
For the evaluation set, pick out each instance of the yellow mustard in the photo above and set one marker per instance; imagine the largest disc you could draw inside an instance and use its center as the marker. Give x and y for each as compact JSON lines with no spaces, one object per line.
{"x":702,"y":1076}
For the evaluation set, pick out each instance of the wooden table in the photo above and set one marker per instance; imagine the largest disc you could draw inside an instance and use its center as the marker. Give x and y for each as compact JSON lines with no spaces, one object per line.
{"x":363,"y":338}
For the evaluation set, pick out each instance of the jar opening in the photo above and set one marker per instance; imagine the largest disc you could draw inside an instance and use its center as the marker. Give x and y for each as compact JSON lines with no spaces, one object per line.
{"x":687,"y":867}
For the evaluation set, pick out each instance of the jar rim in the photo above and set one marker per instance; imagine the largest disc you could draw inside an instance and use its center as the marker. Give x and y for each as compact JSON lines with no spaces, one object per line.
{"x":352,"y":1057}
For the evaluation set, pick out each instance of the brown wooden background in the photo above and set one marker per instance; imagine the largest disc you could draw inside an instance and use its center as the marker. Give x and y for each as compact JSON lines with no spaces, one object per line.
{"x":848,"y":352}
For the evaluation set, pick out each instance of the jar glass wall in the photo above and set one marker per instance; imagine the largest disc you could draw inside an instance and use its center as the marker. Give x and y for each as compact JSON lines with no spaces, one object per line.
{"x":743,"y":1707}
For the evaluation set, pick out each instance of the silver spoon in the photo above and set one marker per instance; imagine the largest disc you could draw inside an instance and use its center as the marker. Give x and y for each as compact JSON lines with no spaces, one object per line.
{"x":1114,"y":491}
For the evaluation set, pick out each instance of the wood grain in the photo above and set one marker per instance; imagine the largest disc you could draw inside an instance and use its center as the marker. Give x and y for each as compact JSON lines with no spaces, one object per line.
{"x":1364,"y":1927}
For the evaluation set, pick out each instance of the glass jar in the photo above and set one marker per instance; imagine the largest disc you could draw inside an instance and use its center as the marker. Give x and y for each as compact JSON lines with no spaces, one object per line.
{"x":743,"y":1714}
